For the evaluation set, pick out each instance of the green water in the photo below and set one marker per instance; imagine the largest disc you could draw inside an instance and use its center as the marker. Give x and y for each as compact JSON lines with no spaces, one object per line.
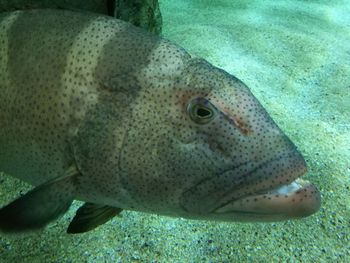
{"x":295,"y":57}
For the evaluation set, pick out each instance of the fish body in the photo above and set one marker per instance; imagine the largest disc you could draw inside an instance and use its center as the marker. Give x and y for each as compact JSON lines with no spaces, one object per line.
{"x":95,"y":109}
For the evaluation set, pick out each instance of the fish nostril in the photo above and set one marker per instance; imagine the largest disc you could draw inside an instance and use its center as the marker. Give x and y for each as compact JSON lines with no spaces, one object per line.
{"x":214,"y":146}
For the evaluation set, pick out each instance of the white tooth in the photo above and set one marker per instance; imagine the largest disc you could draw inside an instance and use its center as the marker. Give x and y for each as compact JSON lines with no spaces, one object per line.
{"x":285,"y":189}
{"x":292,"y":187}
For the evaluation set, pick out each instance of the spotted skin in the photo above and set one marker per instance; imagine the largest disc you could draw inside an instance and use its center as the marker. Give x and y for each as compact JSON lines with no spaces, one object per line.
{"x":113,"y":101}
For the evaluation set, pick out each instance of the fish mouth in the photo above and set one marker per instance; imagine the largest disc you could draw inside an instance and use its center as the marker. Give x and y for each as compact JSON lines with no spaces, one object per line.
{"x":290,"y":197}
{"x":295,"y":200}
{"x":269,"y":191}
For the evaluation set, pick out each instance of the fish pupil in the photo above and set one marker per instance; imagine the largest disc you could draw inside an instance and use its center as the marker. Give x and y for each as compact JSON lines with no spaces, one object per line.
{"x":203,"y":113}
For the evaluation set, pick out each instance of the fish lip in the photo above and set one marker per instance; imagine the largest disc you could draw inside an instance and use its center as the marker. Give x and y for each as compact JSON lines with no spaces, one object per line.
{"x":298,"y":199}
{"x":239,"y":181}
{"x":300,"y":202}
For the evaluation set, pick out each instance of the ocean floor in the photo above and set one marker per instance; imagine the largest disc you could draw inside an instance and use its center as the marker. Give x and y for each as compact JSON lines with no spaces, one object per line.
{"x":295,"y":57}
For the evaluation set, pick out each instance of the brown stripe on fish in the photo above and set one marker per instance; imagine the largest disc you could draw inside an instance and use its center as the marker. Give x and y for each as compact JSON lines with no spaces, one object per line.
{"x":136,"y":53}
{"x":42,"y":73}
{"x":121,"y":56}
{"x":63,"y":57}
{"x":130,"y":59}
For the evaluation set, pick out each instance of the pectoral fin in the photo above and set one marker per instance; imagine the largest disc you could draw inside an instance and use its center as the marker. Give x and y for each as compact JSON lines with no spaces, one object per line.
{"x":90,"y":216}
{"x":39,"y":206}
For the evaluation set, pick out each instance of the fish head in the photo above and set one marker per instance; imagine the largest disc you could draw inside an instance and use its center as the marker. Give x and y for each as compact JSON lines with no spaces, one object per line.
{"x":202,"y":146}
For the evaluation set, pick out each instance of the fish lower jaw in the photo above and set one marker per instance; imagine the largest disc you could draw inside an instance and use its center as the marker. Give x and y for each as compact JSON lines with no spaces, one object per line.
{"x":295,"y":200}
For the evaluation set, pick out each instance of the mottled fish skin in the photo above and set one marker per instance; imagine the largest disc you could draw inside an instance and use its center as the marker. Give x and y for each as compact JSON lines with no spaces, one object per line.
{"x":147,"y":126}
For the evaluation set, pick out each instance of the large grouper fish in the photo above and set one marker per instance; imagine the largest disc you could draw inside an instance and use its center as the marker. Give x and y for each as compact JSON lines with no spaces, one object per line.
{"x":97,"y":110}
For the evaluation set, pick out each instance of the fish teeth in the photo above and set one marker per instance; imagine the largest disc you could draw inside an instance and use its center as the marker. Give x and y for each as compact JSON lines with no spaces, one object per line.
{"x":292,"y":187}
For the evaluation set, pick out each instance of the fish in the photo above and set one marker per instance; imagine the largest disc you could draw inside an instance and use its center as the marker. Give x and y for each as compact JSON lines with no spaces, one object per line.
{"x":97,"y":110}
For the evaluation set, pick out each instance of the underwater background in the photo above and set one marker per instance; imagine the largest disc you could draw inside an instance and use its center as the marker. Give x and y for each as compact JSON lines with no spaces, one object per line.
{"x":295,"y":58}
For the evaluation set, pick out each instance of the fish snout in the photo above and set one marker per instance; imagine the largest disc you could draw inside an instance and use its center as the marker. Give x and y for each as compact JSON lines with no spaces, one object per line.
{"x":281,"y":195}
{"x":266,"y":191}
{"x":296,"y":200}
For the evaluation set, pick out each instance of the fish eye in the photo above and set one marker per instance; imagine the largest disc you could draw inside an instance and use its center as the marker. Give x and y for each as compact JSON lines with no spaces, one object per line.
{"x":201,"y":110}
